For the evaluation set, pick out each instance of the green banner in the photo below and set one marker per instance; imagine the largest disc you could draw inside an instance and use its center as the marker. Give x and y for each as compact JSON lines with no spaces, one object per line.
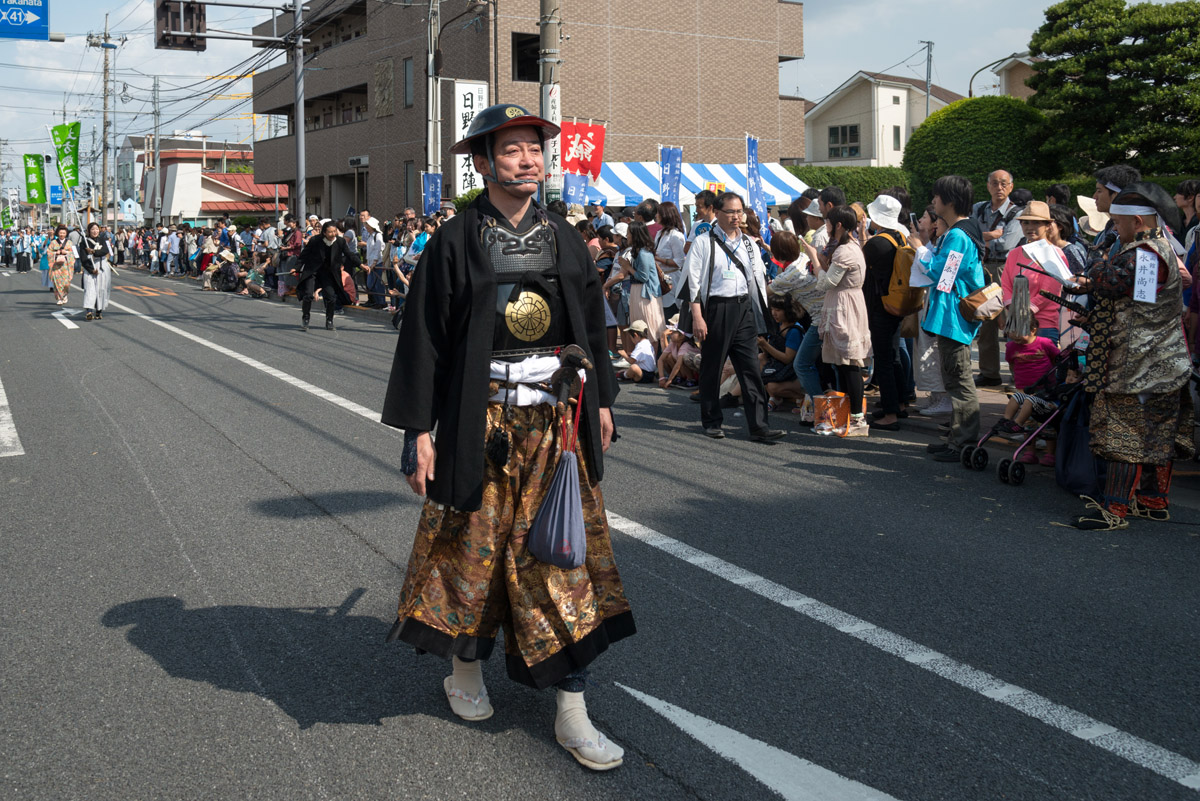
{"x":6,"y":218}
{"x":66,"y":148}
{"x":35,"y":178}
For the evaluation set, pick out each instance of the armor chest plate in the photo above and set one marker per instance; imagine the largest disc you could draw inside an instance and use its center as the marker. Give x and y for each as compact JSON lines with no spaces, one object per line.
{"x":530,"y":315}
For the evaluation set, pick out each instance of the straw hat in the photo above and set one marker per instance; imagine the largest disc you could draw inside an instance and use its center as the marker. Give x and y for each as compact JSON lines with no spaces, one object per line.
{"x":1037,"y":210}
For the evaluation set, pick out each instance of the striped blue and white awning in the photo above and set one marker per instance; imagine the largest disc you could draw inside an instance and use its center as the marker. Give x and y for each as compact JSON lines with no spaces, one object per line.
{"x":627,"y":183}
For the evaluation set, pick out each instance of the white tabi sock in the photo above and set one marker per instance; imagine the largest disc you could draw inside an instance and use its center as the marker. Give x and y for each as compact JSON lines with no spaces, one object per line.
{"x":575,"y":732}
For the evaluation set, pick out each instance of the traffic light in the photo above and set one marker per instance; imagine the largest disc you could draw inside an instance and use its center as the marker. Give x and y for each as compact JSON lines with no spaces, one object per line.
{"x":187,"y":17}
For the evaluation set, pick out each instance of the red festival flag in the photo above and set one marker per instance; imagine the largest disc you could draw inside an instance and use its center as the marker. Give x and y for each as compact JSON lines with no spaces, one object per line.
{"x":582,"y":148}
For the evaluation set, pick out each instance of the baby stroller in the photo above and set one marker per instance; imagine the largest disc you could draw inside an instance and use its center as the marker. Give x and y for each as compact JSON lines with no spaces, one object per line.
{"x":1010,"y":470}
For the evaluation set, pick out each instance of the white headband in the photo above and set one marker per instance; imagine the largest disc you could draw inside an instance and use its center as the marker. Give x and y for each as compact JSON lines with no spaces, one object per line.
{"x":1122,"y":208}
{"x":1113,"y":188}
{"x":1149,"y":211}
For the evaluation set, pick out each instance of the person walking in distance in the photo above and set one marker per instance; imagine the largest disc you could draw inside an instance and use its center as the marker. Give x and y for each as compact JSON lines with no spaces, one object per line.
{"x":321,"y":264}
{"x":729,"y":312}
{"x":997,"y":218}
{"x":501,"y":290}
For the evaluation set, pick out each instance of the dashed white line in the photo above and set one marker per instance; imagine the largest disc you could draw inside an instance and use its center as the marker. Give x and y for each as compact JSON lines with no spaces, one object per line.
{"x":10,"y":442}
{"x":1142,"y":753}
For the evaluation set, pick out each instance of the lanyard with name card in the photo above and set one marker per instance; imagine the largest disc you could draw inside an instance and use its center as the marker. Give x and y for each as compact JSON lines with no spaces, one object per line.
{"x":950,"y":271}
{"x":731,"y":274}
{"x":1145,"y":277}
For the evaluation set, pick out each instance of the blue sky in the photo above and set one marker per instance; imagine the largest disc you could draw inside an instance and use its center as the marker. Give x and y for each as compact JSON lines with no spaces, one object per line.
{"x":840,"y":39}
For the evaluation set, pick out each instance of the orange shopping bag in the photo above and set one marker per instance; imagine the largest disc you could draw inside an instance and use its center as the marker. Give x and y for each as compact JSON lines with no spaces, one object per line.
{"x":831,"y":413}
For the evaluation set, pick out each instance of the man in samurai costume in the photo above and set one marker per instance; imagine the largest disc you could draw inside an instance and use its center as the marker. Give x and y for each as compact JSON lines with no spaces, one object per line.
{"x":499,"y":291}
{"x":321,"y":263}
{"x":1137,"y":362}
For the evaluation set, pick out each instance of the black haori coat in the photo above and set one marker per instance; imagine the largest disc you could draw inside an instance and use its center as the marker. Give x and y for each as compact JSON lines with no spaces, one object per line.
{"x":441,"y":369}
{"x":315,"y":258}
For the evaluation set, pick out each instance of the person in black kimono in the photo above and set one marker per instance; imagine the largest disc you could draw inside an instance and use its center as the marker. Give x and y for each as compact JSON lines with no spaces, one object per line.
{"x":321,"y":263}
{"x":499,"y":291}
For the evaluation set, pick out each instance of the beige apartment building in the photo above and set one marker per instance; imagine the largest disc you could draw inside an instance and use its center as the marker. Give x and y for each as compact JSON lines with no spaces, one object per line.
{"x":698,"y":74}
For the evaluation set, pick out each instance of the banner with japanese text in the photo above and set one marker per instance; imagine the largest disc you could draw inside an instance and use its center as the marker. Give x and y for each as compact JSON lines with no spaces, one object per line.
{"x":754,"y":188}
{"x":35,"y":178}
{"x":575,"y":189}
{"x":431,"y":190}
{"x":6,"y":217}
{"x":670,"y":165}
{"x":582,"y":148}
{"x":470,"y":98}
{"x":66,"y":148}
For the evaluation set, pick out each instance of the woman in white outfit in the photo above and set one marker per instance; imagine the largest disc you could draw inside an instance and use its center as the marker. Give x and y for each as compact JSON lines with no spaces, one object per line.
{"x":97,"y":274}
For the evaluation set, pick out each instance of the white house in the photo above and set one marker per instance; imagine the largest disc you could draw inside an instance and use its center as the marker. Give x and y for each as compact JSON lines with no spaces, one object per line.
{"x":866,"y":122}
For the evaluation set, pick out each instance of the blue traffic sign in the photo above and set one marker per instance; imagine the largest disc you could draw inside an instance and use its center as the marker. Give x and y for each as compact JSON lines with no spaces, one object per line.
{"x":56,"y":196}
{"x":25,"y":19}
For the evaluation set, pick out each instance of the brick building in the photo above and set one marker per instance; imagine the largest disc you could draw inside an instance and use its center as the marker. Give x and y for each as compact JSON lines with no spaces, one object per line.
{"x":688,"y":74}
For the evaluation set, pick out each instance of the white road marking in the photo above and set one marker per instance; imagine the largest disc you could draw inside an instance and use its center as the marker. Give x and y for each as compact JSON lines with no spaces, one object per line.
{"x":6,"y":274}
{"x":788,"y":775}
{"x":312,"y":389}
{"x":1168,"y":764}
{"x":10,"y":442}
{"x":1142,"y":753}
{"x":61,"y":316}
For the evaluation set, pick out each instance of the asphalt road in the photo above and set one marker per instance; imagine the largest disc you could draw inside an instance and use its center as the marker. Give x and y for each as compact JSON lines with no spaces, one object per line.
{"x":199,"y":561}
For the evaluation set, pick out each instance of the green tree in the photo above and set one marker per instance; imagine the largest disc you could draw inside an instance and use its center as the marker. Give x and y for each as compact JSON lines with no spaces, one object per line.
{"x":1158,"y":69}
{"x":971,"y":138}
{"x":1119,"y":84}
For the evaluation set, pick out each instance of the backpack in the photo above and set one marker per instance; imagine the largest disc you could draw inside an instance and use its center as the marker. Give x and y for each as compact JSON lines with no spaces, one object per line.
{"x":901,"y":299}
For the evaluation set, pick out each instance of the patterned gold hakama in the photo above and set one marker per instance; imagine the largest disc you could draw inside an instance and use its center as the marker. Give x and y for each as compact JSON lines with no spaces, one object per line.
{"x":470,"y":572}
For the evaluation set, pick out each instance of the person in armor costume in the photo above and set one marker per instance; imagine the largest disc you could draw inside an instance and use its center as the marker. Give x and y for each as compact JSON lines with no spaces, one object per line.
{"x":1137,"y":362}
{"x":500,"y":294}
{"x":321,"y":263}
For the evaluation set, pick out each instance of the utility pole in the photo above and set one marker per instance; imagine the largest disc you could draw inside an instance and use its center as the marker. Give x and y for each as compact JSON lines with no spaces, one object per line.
{"x":157,"y":160}
{"x":298,"y":63}
{"x":274,"y":131}
{"x":549,"y":61}
{"x":433,"y":145}
{"x":103,"y":43}
{"x":928,"y":73}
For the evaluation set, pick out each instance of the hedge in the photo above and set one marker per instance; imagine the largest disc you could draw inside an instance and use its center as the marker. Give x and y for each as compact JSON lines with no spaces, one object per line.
{"x":860,"y":184}
{"x":973,"y":137}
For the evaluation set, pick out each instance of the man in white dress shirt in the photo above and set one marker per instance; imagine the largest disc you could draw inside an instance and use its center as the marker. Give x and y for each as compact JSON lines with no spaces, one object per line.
{"x":729,"y":312}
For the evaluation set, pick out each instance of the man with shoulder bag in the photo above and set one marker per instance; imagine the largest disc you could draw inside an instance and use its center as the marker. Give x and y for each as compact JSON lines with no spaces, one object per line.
{"x":728,"y":313}
{"x":997,"y":219}
{"x":954,"y":265}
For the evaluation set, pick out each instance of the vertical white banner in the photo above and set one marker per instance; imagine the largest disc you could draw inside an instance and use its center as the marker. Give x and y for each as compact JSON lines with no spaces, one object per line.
{"x":470,"y":98}
{"x":552,"y":105}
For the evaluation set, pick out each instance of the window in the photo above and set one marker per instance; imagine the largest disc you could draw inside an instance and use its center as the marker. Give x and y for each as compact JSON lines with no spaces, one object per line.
{"x":525,"y":48}
{"x":408,"y":83}
{"x":895,"y":100}
{"x":410,"y":183}
{"x":327,"y":119}
{"x":895,"y":137}
{"x":843,"y":142}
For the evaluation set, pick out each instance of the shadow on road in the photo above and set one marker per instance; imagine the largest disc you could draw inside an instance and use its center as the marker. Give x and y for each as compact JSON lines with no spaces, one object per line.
{"x":317,"y":664}
{"x":333,"y":504}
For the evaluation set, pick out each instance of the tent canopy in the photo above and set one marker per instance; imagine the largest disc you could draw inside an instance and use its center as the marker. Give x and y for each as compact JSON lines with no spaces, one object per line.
{"x":627,"y":183}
